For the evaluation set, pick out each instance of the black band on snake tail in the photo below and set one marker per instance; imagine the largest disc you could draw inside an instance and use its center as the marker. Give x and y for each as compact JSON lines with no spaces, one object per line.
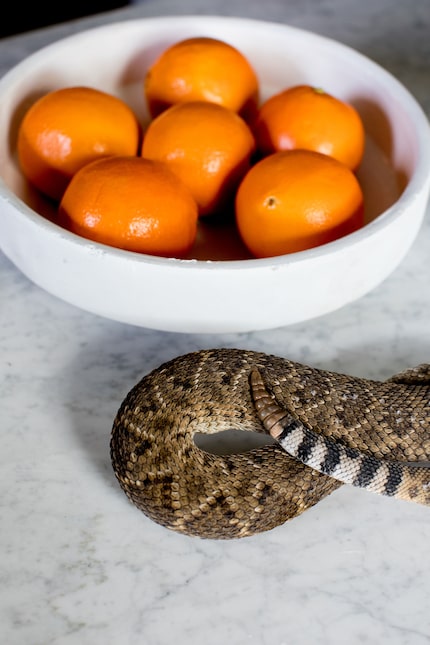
{"x":410,"y":481}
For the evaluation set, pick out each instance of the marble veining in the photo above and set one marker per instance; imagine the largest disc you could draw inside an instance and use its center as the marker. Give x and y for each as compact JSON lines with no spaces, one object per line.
{"x":79,"y":565}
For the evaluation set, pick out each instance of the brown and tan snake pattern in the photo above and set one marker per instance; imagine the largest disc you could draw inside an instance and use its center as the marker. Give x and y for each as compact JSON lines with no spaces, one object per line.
{"x":368,"y":433}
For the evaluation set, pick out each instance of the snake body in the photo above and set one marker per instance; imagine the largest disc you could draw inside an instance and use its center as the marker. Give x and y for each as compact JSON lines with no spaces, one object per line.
{"x":338,"y":429}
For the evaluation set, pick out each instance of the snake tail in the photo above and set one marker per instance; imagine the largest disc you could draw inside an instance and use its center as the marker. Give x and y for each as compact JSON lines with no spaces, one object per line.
{"x":398,"y":479}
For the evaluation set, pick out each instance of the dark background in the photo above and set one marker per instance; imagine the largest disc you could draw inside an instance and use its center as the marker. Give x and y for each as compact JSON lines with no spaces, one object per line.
{"x":37,"y":14}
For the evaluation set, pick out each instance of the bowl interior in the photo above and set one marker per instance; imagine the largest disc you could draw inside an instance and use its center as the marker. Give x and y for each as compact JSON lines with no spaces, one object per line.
{"x":115,"y":59}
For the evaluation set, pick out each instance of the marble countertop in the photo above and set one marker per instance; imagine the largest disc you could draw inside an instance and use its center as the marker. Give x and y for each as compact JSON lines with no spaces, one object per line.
{"x":79,"y":565}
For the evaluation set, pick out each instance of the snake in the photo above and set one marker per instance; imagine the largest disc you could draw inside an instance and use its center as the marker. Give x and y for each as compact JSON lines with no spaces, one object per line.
{"x":326,"y":430}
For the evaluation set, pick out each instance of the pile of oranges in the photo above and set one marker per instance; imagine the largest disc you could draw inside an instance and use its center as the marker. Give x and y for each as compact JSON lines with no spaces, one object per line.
{"x":283,"y":169}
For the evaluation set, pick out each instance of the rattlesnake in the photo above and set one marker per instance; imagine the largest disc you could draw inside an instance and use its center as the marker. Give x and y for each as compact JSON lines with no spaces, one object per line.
{"x":369,"y":433}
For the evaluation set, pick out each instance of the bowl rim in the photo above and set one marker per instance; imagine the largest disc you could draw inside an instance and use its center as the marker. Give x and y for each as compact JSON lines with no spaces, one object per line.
{"x":419,"y":178}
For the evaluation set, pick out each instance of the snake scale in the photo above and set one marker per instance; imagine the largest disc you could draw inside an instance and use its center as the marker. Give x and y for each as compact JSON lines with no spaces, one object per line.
{"x":330,"y":428}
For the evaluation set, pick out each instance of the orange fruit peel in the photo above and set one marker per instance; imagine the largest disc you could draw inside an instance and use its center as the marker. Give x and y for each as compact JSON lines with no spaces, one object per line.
{"x":207,"y":146}
{"x":309,"y":118}
{"x":295,"y":200}
{"x":69,"y":127}
{"x":133,"y":204}
{"x":202,"y":69}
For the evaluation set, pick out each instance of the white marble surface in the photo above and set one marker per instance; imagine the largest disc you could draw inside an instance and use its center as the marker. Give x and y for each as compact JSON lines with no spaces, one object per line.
{"x":79,"y":565}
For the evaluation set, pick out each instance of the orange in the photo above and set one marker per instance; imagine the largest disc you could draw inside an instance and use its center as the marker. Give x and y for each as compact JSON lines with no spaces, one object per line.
{"x":306,"y":117}
{"x":202,"y":69}
{"x":207,"y":145}
{"x":131,"y":203}
{"x":295,"y":200}
{"x":67,"y":128}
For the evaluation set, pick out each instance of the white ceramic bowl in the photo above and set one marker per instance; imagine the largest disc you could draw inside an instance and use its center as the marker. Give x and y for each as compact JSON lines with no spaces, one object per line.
{"x":218,"y":295}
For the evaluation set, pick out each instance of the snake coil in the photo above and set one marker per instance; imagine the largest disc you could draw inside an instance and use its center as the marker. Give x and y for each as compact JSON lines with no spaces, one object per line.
{"x":338,"y":428}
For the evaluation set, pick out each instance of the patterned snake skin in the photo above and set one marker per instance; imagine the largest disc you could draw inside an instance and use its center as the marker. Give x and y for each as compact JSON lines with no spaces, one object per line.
{"x":337,"y":428}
